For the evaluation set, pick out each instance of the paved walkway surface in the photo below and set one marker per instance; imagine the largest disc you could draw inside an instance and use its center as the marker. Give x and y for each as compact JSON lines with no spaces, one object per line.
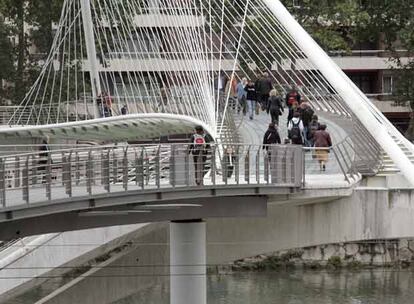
{"x":252,"y":131}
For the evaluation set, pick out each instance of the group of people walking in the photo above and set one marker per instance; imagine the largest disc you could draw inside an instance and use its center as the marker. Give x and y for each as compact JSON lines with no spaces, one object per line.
{"x":303,"y":125}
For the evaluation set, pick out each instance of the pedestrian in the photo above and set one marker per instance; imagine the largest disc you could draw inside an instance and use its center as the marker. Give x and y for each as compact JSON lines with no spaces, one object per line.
{"x":107,"y":105}
{"x":271,"y":137}
{"x":292,"y":96}
{"x":200,"y":148}
{"x":292,"y":109}
{"x":251,"y":98}
{"x":306,"y":114}
{"x":241,"y":96}
{"x":230,"y":160}
{"x":124,"y":110}
{"x":323,"y":143}
{"x":296,"y":129}
{"x":313,"y":127}
{"x":263,"y":88}
{"x":44,"y":154}
{"x":275,"y":106}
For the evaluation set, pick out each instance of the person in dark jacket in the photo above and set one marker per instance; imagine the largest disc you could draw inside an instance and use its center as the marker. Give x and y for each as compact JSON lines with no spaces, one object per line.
{"x":306,"y":114}
{"x":322,"y":144}
{"x":263,"y":88}
{"x":251,"y":98}
{"x":275,"y":106}
{"x":313,"y":127}
{"x":271,"y":137}
{"x":44,"y":155}
{"x":200,"y":148}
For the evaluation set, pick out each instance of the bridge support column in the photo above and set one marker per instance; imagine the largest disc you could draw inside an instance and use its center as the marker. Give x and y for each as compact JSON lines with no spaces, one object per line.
{"x":188,"y":283}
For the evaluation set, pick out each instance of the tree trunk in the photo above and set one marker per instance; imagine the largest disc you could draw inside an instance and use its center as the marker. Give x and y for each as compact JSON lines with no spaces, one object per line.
{"x":21,"y":53}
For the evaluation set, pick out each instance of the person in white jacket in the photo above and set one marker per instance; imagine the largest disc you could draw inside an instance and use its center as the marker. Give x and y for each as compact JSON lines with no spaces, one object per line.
{"x":296,"y":130}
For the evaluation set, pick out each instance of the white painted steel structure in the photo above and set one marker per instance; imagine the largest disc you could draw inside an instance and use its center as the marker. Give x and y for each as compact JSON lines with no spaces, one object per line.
{"x":360,"y":106}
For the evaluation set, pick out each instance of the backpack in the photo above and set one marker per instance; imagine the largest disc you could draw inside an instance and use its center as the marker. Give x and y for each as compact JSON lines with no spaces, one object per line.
{"x":294,"y":133}
{"x":292,"y":98}
{"x":271,"y":138}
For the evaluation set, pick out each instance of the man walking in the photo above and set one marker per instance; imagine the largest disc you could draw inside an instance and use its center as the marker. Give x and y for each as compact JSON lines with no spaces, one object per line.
{"x":263,"y":88}
{"x":251,"y":98}
{"x":200,"y":148}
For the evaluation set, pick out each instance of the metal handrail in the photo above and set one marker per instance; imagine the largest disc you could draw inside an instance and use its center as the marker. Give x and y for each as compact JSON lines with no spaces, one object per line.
{"x":46,"y":176}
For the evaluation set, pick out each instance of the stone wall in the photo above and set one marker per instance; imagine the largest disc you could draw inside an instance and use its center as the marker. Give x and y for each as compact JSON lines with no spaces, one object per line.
{"x":390,"y":253}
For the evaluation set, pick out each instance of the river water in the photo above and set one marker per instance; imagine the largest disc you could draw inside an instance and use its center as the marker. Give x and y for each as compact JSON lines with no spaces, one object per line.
{"x":297,"y":287}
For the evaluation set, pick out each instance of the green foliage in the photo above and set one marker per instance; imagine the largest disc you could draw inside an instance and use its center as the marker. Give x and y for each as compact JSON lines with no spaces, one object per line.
{"x":335,"y":262}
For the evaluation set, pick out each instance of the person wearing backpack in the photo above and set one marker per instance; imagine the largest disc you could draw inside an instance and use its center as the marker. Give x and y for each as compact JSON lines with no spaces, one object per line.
{"x":295,"y":129}
{"x":275,"y":106}
{"x":271,"y":137}
{"x":200,"y":148}
{"x":293,"y":96}
{"x":306,"y":114}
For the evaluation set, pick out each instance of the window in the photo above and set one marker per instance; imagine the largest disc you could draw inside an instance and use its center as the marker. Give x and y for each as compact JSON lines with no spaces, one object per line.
{"x":387,"y":84}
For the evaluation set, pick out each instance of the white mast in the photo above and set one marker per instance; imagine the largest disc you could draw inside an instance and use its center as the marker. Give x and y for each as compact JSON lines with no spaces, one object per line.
{"x":91,"y":51}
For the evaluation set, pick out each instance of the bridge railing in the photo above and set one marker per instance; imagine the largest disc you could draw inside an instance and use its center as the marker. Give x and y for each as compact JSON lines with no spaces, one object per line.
{"x":54,"y":175}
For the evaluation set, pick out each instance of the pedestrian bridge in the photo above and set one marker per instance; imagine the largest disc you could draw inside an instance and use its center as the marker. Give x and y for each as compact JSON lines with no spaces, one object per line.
{"x":77,"y":187}
{"x":108,"y":185}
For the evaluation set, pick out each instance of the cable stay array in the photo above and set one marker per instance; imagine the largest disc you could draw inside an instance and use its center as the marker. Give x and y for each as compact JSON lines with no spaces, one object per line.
{"x":182,"y":59}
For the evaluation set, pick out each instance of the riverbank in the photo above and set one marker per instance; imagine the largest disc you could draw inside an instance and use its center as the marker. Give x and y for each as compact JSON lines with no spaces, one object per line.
{"x":376,"y":254}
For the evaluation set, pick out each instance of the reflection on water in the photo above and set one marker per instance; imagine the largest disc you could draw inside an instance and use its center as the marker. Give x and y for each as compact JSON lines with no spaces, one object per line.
{"x":297,"y":287}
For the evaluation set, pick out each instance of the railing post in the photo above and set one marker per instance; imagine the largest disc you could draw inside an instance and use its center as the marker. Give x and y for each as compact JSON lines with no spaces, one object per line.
{"x":158,"y":168}
{"x":266,"y":166}
{"x":25,"y":181}
{"x":172,"y":166}
{"x":77,"y":168}
{"x":187,"y":168}
{"x":89,"y":173}
{"x":237,"y":165}
{"x":17,"y":172}
{"x":106,"y":180}
{"x":139,"y":169}
{"x":258,"y":166}
{"x":64,"y":168}
{"x":69,"y":175}
{"x":213,"y":164}
{"x":34,"y":170}
{"x":48,"y":177}
{"x":114,"y":167}
{"x":2,"y":183}
{"x":247,"y":166}
{"x":125,"y":175}
{"x":224,"y":166}
{"x":298,"y":163}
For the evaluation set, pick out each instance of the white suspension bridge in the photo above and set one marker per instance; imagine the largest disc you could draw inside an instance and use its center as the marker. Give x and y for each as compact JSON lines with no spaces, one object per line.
{"x":122,"y":71}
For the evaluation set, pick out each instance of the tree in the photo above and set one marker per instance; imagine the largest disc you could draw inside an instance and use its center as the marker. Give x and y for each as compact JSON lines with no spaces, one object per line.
{"x":6,"y":59}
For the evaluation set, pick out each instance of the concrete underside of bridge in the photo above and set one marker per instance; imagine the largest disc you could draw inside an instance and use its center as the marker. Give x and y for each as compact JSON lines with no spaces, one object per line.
{"x":117,"y":128}
{"x":369,"y":213}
